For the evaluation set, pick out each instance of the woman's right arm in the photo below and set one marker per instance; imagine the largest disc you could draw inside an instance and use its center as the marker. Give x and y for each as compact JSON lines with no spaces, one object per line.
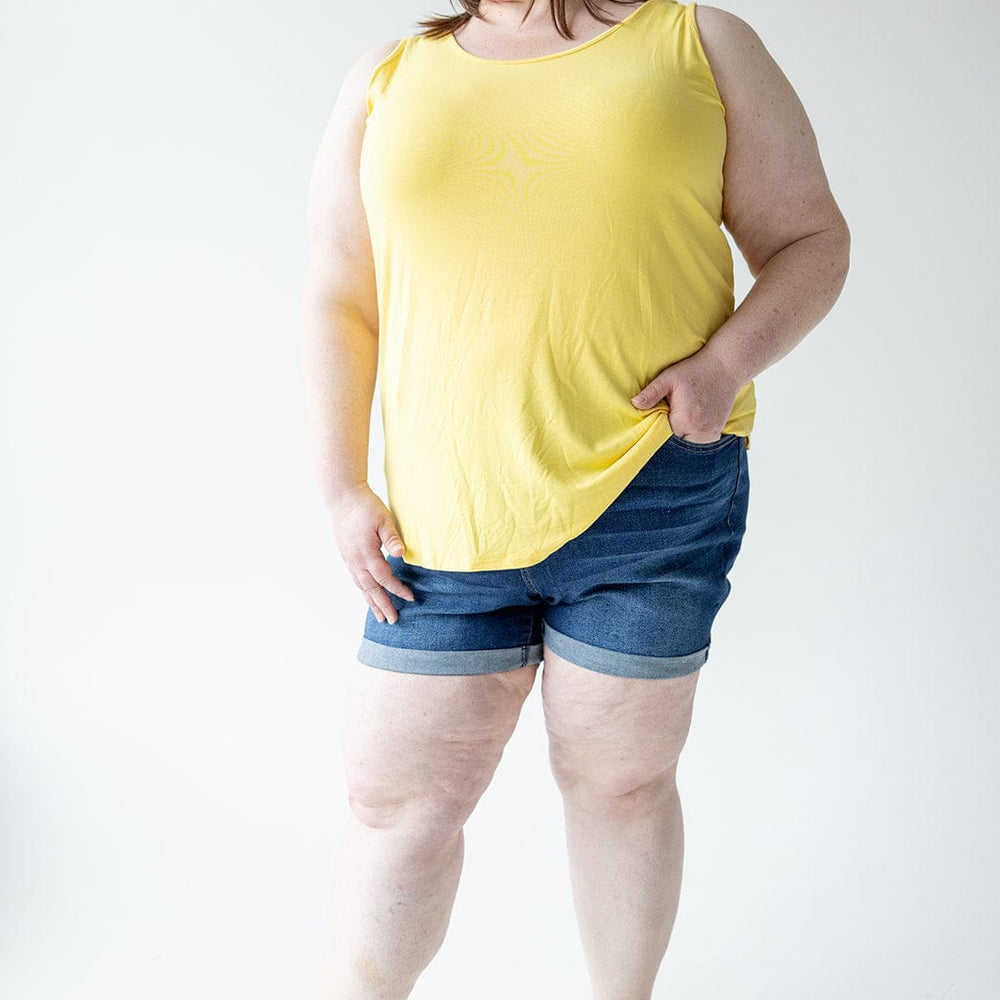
{"x":340,"y":343}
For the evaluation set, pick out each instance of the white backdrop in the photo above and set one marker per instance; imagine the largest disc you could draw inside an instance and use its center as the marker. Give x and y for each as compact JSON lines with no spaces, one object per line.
{"x":177,"y":629}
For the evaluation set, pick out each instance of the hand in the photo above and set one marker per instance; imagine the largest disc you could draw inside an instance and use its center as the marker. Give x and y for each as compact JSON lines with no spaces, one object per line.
{"x":700,"y":392}
{"x":362,"y":524}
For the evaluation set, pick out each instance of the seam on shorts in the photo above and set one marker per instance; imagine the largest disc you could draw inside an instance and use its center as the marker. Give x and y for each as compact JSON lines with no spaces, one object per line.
{"x":736,"y":486}
{"x":534,"y":588}
{"x":527,"y":649}
{"x":711,"y":446}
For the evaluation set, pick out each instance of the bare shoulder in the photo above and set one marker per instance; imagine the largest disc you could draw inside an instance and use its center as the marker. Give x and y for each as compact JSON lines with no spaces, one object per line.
{"x":734,"y":49}
{"x":775,"y":187}
{"x":340,"y":256}
{"x":359,"y":73}
{"x":717,"y":22}
{"x":373,"y":56}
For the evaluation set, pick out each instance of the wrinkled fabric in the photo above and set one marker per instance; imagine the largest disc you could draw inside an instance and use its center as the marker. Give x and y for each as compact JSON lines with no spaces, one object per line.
{"x":547,"y":237}
{"x":635,"y":595}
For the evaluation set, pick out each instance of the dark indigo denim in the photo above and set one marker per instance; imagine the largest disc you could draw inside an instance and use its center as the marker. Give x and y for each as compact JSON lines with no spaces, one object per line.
{"x":634,"y":595}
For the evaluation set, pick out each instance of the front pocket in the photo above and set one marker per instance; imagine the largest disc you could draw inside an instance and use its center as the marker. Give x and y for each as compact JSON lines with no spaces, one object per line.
{"x":702,"y":445}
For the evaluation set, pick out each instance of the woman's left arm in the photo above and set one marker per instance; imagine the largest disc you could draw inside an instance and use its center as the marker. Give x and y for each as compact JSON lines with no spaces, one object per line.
{"x":778,"y":206}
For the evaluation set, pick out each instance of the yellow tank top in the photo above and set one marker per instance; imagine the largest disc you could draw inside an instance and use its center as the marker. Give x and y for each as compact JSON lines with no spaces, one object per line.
{"x":547,"y":237}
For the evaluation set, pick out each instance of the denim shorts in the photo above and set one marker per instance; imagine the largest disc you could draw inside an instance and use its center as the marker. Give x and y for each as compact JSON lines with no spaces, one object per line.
{"x":634,"y":595}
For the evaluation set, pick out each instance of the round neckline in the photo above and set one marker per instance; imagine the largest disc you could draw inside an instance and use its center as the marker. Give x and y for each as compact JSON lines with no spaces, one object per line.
{"x":552,"y":55}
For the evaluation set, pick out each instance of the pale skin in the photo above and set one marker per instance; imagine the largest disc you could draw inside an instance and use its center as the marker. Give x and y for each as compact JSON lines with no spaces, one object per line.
{"x":420,"y":750}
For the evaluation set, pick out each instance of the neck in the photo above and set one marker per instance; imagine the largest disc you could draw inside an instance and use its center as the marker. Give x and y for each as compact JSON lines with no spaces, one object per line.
{"x":514,"y":13}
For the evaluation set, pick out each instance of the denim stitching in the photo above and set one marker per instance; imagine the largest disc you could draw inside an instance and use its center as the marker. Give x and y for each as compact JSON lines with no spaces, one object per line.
{"x":526,"y":576}
{"x":709,"y":446}
{"x":533,"y":589}
{"x":732,"y":499}
{"x":527,"y":640}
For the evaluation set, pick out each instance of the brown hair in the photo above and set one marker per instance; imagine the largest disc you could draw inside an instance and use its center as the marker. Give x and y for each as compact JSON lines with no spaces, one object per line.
{"x":438,"y":25}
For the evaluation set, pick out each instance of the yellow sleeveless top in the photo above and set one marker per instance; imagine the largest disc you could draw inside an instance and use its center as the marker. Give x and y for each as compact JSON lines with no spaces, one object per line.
{"x":547,"y":237}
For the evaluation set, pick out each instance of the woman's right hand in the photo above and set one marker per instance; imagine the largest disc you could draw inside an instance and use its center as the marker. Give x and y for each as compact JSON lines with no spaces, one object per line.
{"x":362,"y":524}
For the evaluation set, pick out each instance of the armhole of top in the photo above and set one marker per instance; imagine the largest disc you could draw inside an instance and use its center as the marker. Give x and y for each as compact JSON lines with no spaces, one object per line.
{"x":377,"y":68}
{"x":700,"y":52}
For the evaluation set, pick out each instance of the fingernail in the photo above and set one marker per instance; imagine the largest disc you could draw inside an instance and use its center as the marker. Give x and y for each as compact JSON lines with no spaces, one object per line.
{"x":638,"y":400}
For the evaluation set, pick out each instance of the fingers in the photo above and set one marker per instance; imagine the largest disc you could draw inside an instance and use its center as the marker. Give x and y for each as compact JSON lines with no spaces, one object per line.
{"x":363,"y":526}
{"x":390,"y":540}
{"x":376,"y":580}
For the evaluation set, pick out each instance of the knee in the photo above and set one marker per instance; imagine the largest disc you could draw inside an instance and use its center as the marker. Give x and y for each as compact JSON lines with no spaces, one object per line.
{"x":423,"y":819}
{"x":609,"y":792}
{"x":420,"y":762}
{"x":434,"y":803}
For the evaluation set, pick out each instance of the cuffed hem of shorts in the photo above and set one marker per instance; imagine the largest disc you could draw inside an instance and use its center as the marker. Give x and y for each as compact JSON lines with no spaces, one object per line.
{"x":447,"y":661}
{"x":610,"y":661}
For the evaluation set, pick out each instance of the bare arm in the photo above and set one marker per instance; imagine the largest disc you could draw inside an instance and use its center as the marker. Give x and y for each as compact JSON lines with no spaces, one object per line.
{"x":778,"y":206}
{"x":340,"y":311}
{"x":340,"y":345}
{"x":777,"y":202}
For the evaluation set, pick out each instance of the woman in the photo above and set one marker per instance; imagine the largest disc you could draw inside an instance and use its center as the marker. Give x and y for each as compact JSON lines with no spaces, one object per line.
{"x":515,"y":218}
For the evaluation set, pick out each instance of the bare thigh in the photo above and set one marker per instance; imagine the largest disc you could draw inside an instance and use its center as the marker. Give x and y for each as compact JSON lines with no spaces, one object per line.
{"x":419,"y":743}
{"x":612,"y":735}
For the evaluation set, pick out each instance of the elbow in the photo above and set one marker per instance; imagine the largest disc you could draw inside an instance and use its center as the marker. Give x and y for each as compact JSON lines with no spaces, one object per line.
{"x":842,"y":234}
{"x":840,"y":237}
{"x":827,"y":243}
{"x":325,"y":312}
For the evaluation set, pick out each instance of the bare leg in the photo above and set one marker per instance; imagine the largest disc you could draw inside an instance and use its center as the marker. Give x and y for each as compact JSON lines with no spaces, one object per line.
{"x":391,"y":903}
{"x":625,"y":858}
{"x":419,"y":751}
{"x":614,"y":746}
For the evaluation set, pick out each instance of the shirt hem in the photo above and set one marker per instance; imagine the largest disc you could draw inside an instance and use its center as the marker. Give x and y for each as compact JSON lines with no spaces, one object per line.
{"x":639,"y":455}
